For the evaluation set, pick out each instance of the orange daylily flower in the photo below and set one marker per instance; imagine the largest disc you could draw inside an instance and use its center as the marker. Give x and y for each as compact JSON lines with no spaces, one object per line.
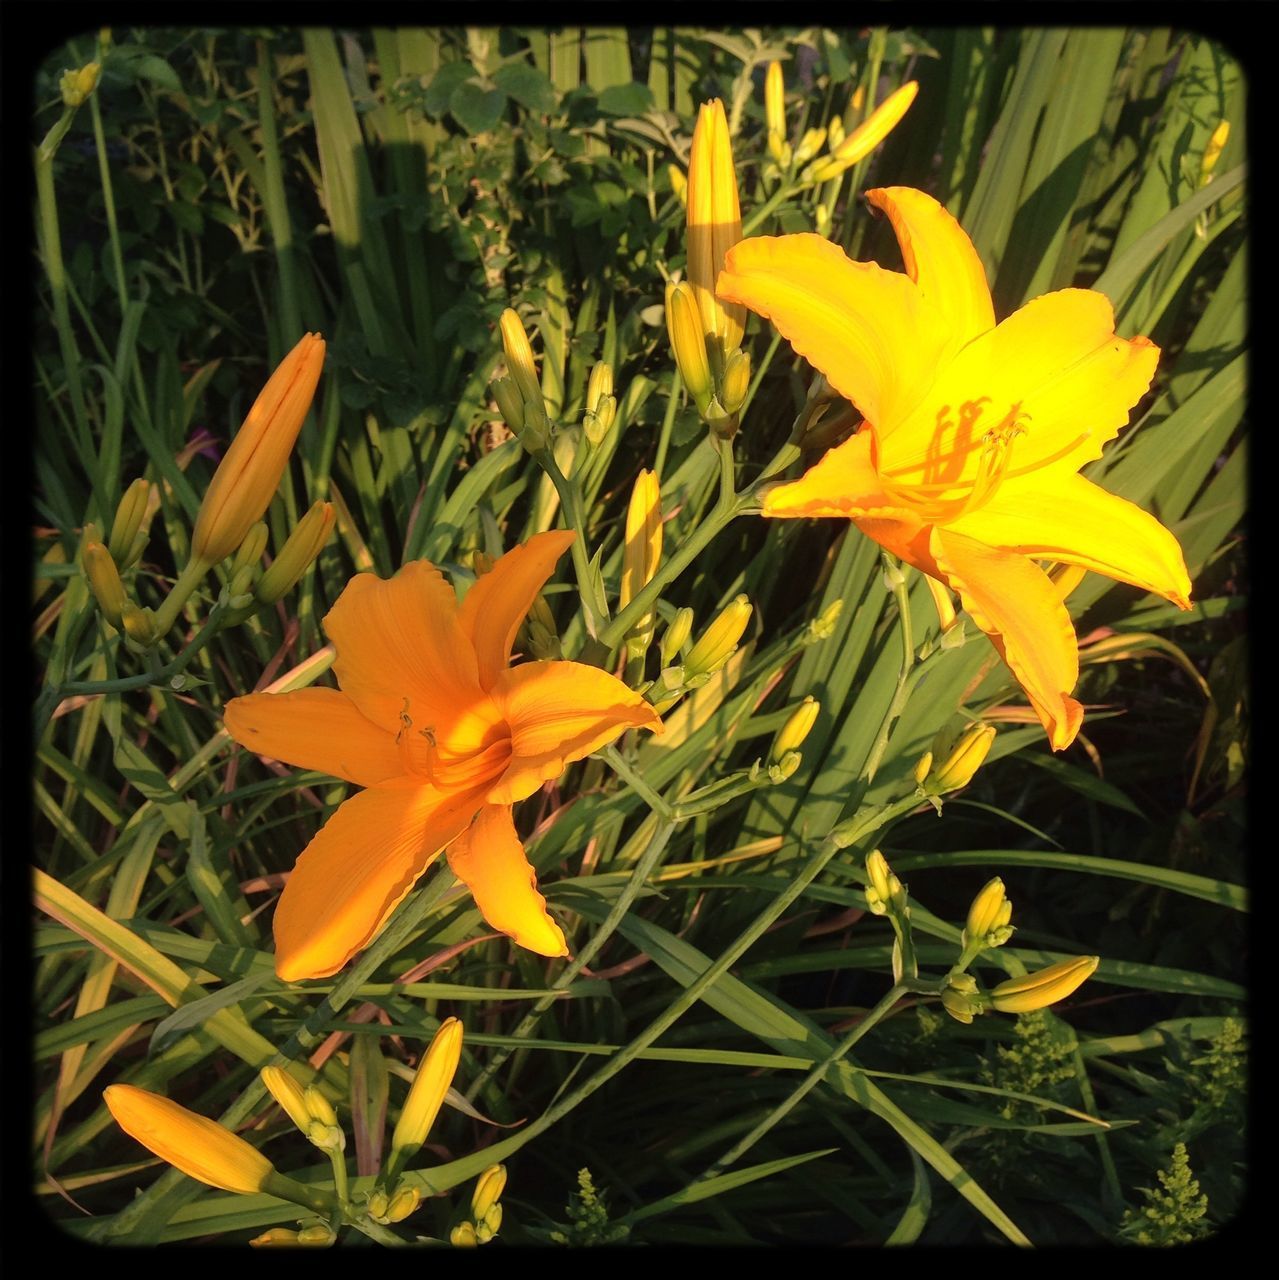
{"x":965,"y":466}
{"x":445,"y":737}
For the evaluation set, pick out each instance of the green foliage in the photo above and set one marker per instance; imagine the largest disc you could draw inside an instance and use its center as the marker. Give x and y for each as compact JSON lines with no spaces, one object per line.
{"x":588,"y":1221}
{"x":1172,"y":1214}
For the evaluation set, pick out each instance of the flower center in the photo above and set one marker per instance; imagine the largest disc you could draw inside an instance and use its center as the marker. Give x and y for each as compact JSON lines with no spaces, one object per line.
{"x":463,"y":754}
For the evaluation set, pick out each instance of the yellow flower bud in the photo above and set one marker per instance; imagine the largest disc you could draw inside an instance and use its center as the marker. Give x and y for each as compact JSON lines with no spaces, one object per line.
{"x":128,"y":521}
{"x":463,"y":1236}
{"x":519,"y":358}
{"x":834,"y":133}
{"x":319,"y":1107}
{"x":869,"y":134}
{"x":493,"y":1219}
{"x":958,"y":1005}
{"x":714,"y":224}
{"x":250,"y":550}
{"x":488,"y":1190}
{"x":300,"y":549}
{"x":880,"y":877}
{"x":946,"y":615}
{"x":642,"y":551}
{"x":318,"y":1234}
{"x":719,"y":641}
{"x":963,"y":762}
{"x":104,"y":579}
{"x":249,"y":473}
{"x":922,"y":766}
{"x":138,"y":624}
{"x":379,"y":1203}
{"x":775,"y":99}
{"x":797,"y":728}
{"x":779,"y":149}
{"x":1212,"y":152}
{"x":1039,"y":990}
{"x":736,"y":382}
{"x":284,"y":1088}
{"x":675,"y":637}
{"x":403,"y":1203}
{"x":679,"y":183}
{"x":984,"y":912}
{"x":201,"y":1148}
{"x":599,"y":385}
{"x":426,"y":1095}
{"x":688,"y":342}
{"x":76,"y":86}
{"x":809,"y":145}
{"x":276,"y":1236}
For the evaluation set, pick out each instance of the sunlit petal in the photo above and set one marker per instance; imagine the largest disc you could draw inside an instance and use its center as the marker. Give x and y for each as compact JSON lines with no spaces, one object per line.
{"x":1013,"y":601}
{"x":559,"y":712}
{"x":315,"y":729}
{"x":1049,"y":516}
{"x":358,"y":867}
{"x":489,"y":859}
{"x":870,"y":331}
{"x":494,"y":607}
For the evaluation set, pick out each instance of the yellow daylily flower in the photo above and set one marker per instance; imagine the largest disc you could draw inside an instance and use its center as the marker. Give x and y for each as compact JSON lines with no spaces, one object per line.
{"x":445,"y":737}
{"x":965,"y":465}
{"x":202,"y":1148}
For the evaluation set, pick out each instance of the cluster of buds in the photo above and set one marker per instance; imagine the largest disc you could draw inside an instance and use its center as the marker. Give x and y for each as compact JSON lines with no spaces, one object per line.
{"x":960,"y":758}
{"x":704,"y":658}
{"x":519,"y":395}
{"x":886,"y":896}
{"x":307,"y":1107}
{"x":963,"y":999}
{"x":705,"y":333}
{"x":988,"y":918}
{"x":76,"y":86}
{"x":313,"y":1235}
{"x":601,"y":404}
{"x":229,"y":520}
{"x":486,"y":1212}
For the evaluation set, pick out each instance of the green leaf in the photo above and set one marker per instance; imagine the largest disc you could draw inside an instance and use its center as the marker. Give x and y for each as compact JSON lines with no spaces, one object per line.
{"x":529,"y":87}
{"x":435,"y":100}
{"x":475,"y":108}
{"x":626,"y":99}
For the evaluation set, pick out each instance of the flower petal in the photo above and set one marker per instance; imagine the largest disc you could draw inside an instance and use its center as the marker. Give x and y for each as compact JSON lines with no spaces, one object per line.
{"x":1013,"y":601}
{"x":360,"y":864}
{"x":494,"y":607}
{"x":940,"y":258}
{"x":489,"y":858}
{"x":1051,"y":516}
{"x":315,"y":729}
{"x":1056,"y":368}
{"x":870,"y":331}
{"x":403,"y":653}
{"x":559,"y":712}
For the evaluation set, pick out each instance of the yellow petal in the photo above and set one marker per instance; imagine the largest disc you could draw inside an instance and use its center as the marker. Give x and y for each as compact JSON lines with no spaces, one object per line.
{"x":940,"y":258}
{"x":353,"y":874}
{"x":1013,"y":601}
{"x":868,"y":330}
{"x":1053,"y":516}
{"x":559,"y":712}
{"x":315,"y":729}
{"x":842,"y":483}
{"x":200,"y":1147}
{"x":405,"y":661}
{"x":1055,"y":368}
{"x":494,"y":607}
{"x":489,"y":858}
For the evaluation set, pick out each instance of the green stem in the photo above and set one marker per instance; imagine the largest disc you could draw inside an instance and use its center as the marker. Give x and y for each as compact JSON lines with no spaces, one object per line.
{"x":167,"y":614}
{"x":638,"y":785}
{"x":639,"y":878}
{"x":904,"y":685}
{"x":784,"y":190}
{"x":108,"y":199}
{"x":341,"y":1185}
{"x":570,"y":504}
{"x":809,"y":1082}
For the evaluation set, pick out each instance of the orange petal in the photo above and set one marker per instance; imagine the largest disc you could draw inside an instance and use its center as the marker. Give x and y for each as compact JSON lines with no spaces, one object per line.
{"x":868,"y":330}
{"x":402,"y":654}
{"x":489,"y":858}
{"x":559,"y":712}
{"x":1055,"y":367}
{"x":940,"y":258}
{"x":1014,"y":602}
{"x":314,"y":729}
{"x":1055,"y":516}
{"x":494,"y":607}
{"x":354,"y":873}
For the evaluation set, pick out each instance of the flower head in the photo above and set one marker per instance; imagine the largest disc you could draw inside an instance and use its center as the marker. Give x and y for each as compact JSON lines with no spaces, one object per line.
{"x":965,"y":466}
{"x":445,"y":736}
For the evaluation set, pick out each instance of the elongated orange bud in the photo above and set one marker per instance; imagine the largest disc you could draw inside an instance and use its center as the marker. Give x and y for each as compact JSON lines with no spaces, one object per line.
{"x":714,"y":224}
{"x":426,"y":1094}
{"x":869,"y":134}
{"x":249,"y":474}
{"x":1039,"y":990}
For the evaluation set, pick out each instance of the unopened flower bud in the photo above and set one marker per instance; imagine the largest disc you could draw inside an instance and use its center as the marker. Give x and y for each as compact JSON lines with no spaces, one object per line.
{"x":76,"y":86}
{"x":775,"y":98}
{"x":250,"y":550}
{"x":488,"y":1190}
{"x":379,"y":1203}
{"x":688,"y":342}
{"x":316,"y":1235}
{"x":600,"y":385}
{"x":960,"y":1005}
{"x":138,"y":624}
{"x":463,"y":1236}
{"x":779,"y":149}
{"x":821,"y":220}
{"x":736,"y":382}
{"x":834,"y":134}
{"x":922,"y":766}
{"x":300,"y":549}
{"x":676,"y":635}
{"x":679,"y":183}
{"x":1212,"y":152}
{"x":714,"y":226}
{"x":797,"y":728}
{"x":984,"y":916}
{"x":276,"y":1236}
{"x":519,"y":358}
{"x":128,"y":522}
{"x":879,"y":891}
{"x":719,"y":641}
{"x":968,"y":756}
{"x":877,"y":126}
{"x":510,"y":404}
{"x":104,"y":580}
{"x":1039,"y":990}
{"x":426,"y":1094}
{"x":318,"y":1106}
{"x":781,"y":769}
{"x":809,"y":145}
{"x":403,"y":1203}
{"x":823,"y":626}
